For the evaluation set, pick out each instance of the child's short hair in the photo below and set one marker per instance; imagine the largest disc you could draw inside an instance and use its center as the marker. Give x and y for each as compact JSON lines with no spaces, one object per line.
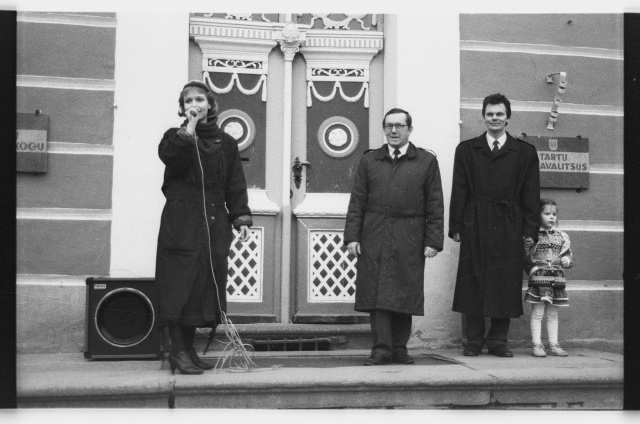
{"x":547,"y":202}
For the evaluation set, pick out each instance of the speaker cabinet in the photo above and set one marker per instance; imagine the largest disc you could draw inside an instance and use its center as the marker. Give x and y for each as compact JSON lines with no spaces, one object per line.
{"x":121,"y":319}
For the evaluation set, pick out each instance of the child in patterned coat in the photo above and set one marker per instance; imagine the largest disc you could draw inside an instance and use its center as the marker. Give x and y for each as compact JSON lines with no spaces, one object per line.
{"x":544,"y":264}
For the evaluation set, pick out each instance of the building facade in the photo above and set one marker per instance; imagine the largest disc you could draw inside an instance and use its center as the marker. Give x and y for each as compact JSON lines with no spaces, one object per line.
{"x":304,"y":95}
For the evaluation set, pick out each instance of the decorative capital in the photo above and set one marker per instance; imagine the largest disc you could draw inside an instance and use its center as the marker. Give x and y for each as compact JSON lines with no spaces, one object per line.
{"x":290,"y":39}
{"x":290,"y":33}
{"x":289,"y":51}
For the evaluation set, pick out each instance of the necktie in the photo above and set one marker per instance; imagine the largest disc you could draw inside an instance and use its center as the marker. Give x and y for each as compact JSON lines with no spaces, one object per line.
{"x":495,"y":147}
{"x":396,"y":153}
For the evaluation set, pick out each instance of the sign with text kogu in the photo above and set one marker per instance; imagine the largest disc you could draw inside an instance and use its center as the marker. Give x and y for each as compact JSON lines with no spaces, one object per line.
{"x":31,"y":142}
{"x":564,"y":161}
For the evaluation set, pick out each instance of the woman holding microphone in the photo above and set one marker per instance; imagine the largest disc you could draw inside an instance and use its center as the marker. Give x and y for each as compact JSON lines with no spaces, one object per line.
{"x":206,"y":193}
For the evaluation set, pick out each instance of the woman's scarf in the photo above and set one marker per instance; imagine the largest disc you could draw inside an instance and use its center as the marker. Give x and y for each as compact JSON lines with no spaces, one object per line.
{"x":208,"y":133}
{"x":209,"y":129}
{"x":211,"y":157}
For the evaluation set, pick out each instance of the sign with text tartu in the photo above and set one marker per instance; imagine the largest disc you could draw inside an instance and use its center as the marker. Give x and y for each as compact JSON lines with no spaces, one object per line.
{"x":564,"y":161}
{"x":31,"y":142}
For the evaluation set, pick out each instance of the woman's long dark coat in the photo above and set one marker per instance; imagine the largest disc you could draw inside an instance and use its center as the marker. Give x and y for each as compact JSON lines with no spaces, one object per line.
{"x":187,"y":294}
{"x":494,"y":202}
{"x":395,"y":211}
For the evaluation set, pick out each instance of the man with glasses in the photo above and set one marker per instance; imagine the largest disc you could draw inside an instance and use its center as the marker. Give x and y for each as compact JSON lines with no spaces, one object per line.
{"x":494,"y":214}
{"x":395,"y":220}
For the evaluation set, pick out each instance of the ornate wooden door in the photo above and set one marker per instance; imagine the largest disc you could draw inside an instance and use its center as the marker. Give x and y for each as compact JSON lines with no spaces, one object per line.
{"x":296,"y":92}
{"x":336,"y":67}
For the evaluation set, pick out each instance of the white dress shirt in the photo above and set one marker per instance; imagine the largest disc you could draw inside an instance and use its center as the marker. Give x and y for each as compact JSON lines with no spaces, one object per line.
{"x":403,"y":150}
{"x":501,"y":141}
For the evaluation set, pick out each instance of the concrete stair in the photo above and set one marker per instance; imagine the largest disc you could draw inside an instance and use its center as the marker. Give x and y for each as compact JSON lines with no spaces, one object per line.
{"x":440,"y":379}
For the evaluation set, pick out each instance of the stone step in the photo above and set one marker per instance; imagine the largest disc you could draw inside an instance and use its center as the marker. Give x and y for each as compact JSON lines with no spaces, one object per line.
{"x":440,"y":379}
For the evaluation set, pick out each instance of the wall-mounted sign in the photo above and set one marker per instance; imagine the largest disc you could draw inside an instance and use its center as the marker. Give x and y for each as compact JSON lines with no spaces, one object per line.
{"x":564,"y":161}
{"x":31,"y":142}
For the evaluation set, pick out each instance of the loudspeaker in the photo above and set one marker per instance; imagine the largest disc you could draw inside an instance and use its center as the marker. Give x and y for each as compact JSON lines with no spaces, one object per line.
{"x":121,"y":319}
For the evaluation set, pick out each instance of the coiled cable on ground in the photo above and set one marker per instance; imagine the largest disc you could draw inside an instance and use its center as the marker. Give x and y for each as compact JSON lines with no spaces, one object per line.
{"x":235,"y":354}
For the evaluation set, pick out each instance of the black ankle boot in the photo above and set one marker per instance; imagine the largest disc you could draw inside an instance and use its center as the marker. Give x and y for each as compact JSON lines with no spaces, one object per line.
{"x":197,"y":361}
{"x":189,"y":334}
{"x":183,"y":363}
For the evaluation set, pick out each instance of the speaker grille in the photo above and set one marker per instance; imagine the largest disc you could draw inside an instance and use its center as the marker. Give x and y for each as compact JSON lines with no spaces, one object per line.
{"x":124,"y":317}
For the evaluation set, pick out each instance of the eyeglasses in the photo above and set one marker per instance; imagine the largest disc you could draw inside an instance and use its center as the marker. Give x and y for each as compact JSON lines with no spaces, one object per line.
{"x":399,"y":127}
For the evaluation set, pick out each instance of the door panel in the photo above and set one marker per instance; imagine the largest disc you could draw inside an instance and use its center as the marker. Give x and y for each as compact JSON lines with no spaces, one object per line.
{"x":233,"y":60}
{"x":337,"y":134}
{"x":326,"y":274}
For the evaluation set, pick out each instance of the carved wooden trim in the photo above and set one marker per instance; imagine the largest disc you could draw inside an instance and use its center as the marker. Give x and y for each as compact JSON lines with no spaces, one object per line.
{"x":260,"y":204}
{"x":323,"y":205}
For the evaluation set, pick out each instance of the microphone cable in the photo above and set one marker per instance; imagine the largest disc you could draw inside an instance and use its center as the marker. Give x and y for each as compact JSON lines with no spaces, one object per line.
{"x":235,"y":352}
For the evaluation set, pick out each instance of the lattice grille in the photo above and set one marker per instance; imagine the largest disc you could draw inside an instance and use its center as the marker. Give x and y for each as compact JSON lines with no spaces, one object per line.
{"x":244,"y":282}
{"x":332,"y":273}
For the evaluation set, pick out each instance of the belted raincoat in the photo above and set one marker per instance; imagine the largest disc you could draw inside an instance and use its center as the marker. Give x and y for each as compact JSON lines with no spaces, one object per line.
{"x":395,"y":211}
{"x":495,"y":201}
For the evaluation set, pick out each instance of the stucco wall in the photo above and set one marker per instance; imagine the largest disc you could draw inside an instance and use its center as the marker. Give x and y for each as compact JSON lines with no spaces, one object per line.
{"x":96,"y":211}
{"x":512,"y":54}
{"x":150,"y":70}
{"x":65,"y":69}
{"x":427,"y":80}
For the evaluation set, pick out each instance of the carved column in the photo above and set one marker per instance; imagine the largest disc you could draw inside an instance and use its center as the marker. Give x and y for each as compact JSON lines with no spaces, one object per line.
{"x":290,"y":39}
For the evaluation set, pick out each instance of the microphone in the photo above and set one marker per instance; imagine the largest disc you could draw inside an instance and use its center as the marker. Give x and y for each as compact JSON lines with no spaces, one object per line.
{"x":193,"y":113}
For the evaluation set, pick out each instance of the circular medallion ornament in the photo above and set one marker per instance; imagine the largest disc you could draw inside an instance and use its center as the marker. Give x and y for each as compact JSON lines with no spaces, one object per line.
{"x":238,"y":125}
{"x":338,"y":136}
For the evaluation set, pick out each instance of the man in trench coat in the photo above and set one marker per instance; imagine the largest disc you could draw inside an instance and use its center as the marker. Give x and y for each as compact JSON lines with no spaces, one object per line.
{"x":395,"y":220}
{"x":494,"y":214}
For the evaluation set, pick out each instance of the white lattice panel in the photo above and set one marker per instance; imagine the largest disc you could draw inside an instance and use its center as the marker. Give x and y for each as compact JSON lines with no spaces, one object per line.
{"x":244,"y":282}
{"x":332,"y":273}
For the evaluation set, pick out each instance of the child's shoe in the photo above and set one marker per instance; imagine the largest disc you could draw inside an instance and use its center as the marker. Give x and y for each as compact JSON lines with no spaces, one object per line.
{"x":538,"y":350}
{"x":556,"y":350}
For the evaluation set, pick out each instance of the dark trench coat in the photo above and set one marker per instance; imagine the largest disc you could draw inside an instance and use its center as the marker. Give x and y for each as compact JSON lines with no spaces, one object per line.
{"x":186,"y":289}
{"x":494,"y":202}
{"x":395,"y":211}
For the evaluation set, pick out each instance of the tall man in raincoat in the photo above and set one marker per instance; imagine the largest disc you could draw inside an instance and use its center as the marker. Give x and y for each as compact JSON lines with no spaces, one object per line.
{"x":494,"y":213}
{"x":394,"y":221}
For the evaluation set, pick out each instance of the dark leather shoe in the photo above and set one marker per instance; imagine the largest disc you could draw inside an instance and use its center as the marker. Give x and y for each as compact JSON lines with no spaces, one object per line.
{"x":501,"y":351}
{"x":402,"y":358}
{"x":376,"y":359}
{"x":472,"y":350}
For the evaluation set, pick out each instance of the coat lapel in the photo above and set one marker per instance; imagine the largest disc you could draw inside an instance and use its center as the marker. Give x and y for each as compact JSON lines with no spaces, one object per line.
{"x":411,"y":151}
{"x":382,"y":152}
{"x":480,"y":143}
{"x":510,"y":145}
